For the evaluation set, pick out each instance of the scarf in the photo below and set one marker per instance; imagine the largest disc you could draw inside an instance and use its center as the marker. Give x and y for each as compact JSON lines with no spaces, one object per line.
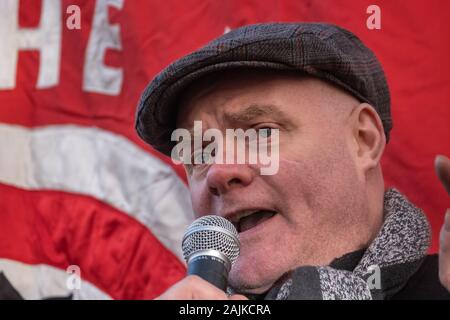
{"x":382,"y":269}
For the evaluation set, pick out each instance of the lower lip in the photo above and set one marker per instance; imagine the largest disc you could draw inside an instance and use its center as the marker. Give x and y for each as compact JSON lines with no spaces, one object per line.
{"x":255,"y":229}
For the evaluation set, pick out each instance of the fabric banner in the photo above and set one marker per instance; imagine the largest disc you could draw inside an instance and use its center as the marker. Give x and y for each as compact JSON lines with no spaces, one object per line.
{"x":79,"y":188}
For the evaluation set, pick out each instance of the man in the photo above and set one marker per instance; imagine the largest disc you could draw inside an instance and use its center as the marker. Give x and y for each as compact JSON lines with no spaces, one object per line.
{"x":323,"y":226}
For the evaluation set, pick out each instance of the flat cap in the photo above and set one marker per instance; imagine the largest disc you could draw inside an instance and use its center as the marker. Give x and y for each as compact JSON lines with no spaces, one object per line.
{"x":321,"y":50}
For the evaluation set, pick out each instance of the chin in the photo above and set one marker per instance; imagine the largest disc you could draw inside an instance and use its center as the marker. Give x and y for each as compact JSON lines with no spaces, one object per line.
{"x":245,"y":279}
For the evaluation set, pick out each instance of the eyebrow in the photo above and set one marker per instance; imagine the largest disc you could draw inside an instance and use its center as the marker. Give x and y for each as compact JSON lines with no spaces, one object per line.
{"x":254,"y":111}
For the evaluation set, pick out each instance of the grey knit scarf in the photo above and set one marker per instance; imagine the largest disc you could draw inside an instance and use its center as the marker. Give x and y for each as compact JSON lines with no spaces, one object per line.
{"x":383,"y":269}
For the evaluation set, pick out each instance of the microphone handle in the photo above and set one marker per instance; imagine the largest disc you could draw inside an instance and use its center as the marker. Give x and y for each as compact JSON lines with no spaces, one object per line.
{"x":211,"y":269}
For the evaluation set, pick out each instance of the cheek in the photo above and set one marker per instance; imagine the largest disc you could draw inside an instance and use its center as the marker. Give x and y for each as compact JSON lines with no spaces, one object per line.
{"x":199,"y":198}
{"x":316,"y":180}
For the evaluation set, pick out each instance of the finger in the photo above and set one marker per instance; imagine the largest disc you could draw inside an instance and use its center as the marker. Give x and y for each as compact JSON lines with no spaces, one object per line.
{"x":193,"y":288}
{"x":201,"y":289}
{"x":237,"y":297}
{"x":444,"y":252}
{"x":442,"y":167}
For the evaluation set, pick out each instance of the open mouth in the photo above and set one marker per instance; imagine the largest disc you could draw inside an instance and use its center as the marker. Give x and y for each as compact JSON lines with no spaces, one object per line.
{"x":249,"y":219}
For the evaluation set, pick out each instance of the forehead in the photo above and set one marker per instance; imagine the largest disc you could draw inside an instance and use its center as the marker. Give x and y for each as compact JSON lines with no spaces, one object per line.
{"x":250,"y":93}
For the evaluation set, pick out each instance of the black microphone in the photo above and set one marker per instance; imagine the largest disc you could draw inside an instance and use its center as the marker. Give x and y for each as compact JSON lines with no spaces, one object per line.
{"x":210,"y":247}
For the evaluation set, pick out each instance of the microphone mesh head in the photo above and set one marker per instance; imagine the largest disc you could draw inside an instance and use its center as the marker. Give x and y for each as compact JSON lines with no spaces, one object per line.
{"x":211,"y":233}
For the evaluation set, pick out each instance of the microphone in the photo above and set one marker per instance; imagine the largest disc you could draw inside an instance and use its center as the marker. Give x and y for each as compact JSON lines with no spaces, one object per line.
{"x":210,"y":247}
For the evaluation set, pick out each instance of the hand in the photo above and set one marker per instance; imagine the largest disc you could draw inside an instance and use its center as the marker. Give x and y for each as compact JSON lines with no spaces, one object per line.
{"x":195,"y":288}
{"x":442,"y":165}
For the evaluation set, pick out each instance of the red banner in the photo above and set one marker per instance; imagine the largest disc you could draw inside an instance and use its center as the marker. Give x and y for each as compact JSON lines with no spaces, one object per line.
{"x":67,"y":103}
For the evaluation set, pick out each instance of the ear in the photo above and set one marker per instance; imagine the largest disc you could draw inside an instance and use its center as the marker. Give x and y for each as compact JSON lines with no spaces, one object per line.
{"x":368,"y":136}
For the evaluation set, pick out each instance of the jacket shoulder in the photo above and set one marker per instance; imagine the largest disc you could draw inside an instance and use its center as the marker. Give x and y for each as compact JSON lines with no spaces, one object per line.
{"x":424,"y":284}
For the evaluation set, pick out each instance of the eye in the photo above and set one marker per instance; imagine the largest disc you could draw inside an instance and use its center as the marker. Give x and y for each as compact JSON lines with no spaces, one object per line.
{"x":197,"y":157}
{"x":200,"y":157}
{"x":208,"y":157}
{"x":265,"y":132}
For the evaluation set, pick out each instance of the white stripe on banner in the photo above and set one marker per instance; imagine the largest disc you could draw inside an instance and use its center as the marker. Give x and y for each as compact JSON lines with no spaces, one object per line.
{"x":101,"y":164}
{"x":40,"y":281}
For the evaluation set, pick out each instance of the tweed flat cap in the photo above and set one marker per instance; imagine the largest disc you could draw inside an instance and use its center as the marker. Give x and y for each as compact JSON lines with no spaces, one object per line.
{"x":321,"y":50}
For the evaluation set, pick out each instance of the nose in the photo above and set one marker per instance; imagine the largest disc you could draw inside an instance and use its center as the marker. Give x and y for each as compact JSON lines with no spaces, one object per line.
{"x":221,"y":178}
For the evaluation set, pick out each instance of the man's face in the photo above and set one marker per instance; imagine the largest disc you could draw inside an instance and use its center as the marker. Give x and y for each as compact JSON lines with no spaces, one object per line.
{"x":314,"y":209}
